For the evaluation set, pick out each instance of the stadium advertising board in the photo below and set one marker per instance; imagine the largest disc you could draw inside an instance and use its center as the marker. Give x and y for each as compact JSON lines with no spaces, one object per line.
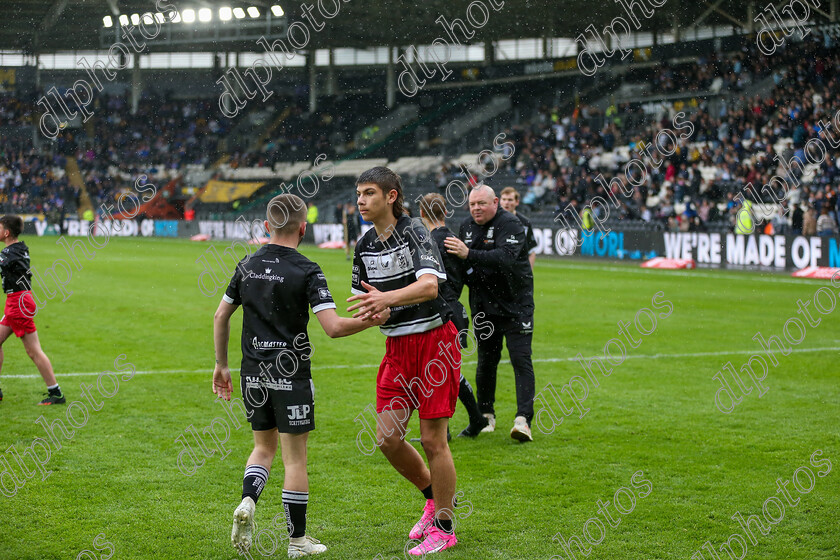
{"x":117,"y":228}
{"x":709,"y":250}
{"x":712,"y":250}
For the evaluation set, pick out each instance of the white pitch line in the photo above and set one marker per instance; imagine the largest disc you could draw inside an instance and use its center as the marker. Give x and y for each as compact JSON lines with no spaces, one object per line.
{"x":366,"y":366}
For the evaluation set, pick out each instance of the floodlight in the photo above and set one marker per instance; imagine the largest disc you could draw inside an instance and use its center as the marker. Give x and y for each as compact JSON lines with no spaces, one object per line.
{"x":239,"y":13}
{"x":188,"y":15}
{"x":253,"y":12}
{"x":107,"y":21}
{"x":135,"y":19}
{"x":160,"y":18}
{"x":205,"y":15}
{"x":277,"y":11}
{"x":124,"y":20}
{"x":225,"y":13}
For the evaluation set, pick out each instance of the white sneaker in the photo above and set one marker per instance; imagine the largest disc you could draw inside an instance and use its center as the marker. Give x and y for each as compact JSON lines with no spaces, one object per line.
{"x":305,"y":546}
{"x":491,"y":423}
{"x":521,"y":431}
{"x":243,"y":525}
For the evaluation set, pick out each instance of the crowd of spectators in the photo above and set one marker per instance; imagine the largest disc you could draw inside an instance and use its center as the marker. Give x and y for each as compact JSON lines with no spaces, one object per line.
{"x":112,"y":149}
{"x":32,"y":182}
{"x":558,"y":158}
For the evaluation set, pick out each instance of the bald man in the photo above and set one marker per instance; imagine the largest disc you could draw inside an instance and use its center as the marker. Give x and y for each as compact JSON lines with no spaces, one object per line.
{"x":492,"y":244}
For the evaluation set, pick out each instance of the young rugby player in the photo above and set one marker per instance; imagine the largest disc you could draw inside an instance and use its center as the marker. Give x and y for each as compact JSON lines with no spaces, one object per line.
{"x":510,"y":201}
{"x":276,"y":286}
{"x":433,"y":214}
{"x":20,"y":306}
{"x":397,"y":266}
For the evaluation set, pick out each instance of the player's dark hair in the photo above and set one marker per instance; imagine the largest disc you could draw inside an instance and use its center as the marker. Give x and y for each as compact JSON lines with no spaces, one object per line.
{"x":433,"y":206}
{"x":285,"y":213}
{"x":387,"y":181}
{"x":13,"y":223}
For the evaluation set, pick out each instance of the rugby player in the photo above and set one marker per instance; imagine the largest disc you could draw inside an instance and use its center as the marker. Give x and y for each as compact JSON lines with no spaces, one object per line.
{"x":276,"y":286}
{"x":510,"y":201}
{"x":491,"y":243}
{"x":397,"y":266}
{"x":20,"y":306}
{"x":433,"y":214}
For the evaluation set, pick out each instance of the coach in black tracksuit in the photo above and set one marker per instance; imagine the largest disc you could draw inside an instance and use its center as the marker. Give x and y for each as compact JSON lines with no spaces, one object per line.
{"x":497,"y":271}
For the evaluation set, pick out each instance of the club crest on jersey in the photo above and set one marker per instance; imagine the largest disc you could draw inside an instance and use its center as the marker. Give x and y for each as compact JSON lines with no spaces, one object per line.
{"x":469,"y":236}
{"x":401,"y":261}
{"x":490,"y":232}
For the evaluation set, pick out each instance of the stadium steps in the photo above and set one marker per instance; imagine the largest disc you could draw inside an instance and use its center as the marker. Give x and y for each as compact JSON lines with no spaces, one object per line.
{"x":268,"y":130}
{"x":74,"y":177}
{"x":457,"y":128}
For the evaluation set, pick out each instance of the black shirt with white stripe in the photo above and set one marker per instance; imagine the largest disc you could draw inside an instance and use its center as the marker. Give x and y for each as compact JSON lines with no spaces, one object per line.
{"x":396,"y":262}
{"x":14,"y":266}
{"x":276,"y":286}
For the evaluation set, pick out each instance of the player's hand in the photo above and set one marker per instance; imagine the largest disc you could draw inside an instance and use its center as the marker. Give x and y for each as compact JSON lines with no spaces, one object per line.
{"x":222,"y":385}
{"x":372,"y":303}
{"x":455,"y":246}
{"x":381,"y":318}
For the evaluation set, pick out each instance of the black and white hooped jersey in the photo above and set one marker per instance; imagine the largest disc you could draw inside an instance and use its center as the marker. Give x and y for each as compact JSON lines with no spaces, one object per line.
{"x":276,"y":286}
{"x":396,"y":262}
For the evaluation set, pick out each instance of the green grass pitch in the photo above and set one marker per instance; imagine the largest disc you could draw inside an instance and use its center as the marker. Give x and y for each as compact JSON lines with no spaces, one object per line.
{"x":118,"y":475}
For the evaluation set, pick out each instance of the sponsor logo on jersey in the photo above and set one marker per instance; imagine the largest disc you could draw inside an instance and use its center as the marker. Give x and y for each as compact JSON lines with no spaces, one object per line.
{"x":355,"y":269}
{"x":512,"y":239}
{"x":355,"y":278}
{"x":265,"y":344}
{"x":267,"y":276}
{"x":429,"y":258}
{"x":321,"y":277}
{"x":324,"y":293}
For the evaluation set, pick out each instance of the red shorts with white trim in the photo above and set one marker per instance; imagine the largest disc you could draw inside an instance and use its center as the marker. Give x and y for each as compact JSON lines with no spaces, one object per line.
{"x":421,"y":371}
{"x":20,"y":309}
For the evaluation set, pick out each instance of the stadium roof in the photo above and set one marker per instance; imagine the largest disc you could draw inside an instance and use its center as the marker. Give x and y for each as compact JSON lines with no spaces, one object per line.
{"x":55,"y":25}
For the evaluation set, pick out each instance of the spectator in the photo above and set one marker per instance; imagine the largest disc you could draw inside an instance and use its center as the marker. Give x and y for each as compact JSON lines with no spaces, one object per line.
{"x":826,"y":225}
{"x":809,"y":222}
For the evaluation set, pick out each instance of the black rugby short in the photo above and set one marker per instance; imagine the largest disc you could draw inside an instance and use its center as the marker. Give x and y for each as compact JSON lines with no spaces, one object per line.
{"x":285,"y":404}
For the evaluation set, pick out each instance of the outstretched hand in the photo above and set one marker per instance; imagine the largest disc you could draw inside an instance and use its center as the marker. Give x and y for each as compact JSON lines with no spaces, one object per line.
{"x":371,"y":304}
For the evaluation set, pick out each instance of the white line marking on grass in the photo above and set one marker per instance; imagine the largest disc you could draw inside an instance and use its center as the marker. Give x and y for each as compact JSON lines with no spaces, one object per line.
{"x":363,"y":366}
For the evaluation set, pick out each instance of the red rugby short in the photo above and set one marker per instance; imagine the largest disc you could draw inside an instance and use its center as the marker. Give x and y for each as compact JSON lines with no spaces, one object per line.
{"x":20,"y":309}
{"x":421,"y":371}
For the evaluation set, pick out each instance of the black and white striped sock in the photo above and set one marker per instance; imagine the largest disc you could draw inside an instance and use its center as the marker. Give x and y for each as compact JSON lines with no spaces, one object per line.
{"x":254,"y":481}
{"x":295,"y":505}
